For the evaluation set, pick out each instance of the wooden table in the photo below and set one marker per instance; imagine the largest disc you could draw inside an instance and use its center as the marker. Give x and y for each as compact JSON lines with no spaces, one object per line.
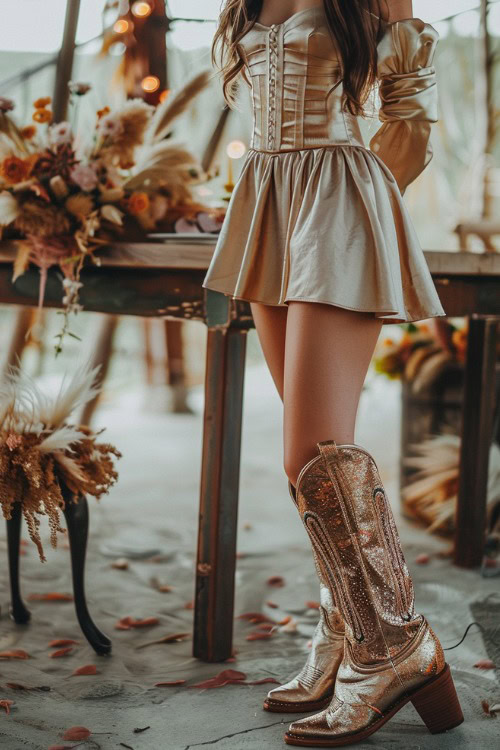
{"x":164,"y":280}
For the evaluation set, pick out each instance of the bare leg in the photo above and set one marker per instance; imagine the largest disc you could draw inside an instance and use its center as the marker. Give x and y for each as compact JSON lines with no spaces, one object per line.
{"x":270,"y":322}
{"x":327,"y":354}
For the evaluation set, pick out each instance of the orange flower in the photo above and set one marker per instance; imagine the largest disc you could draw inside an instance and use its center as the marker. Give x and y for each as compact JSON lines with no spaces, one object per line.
{"x":103,"y":112}
{"x":15,"y":170}
{"x":42,"y":102}
{"x":138,"y":203}
{"x":28,"y":132}
{"x":42,"y":115}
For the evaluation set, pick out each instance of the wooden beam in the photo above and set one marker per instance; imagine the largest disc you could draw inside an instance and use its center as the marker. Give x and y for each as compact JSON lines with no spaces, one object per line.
{"x":64,"y":67}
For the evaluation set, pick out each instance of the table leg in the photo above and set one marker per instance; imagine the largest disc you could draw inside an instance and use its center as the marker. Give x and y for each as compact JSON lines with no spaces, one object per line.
{"x":477,"y":428}
{"x":216,"y":558}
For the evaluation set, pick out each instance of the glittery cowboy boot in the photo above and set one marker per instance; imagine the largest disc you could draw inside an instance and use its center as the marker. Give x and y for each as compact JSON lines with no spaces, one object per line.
{"x":312,"y":688}
{"x":391,"y":655}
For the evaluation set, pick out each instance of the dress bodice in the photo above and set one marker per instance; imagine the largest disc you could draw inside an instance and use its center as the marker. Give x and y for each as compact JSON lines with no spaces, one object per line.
{"x":296,"y":85}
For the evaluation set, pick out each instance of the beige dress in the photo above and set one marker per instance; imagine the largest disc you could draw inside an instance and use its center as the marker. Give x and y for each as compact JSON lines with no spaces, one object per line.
{"x":316,"y":215}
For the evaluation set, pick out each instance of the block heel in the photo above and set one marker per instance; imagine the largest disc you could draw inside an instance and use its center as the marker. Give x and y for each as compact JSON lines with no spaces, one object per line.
{"x":438,"y":705}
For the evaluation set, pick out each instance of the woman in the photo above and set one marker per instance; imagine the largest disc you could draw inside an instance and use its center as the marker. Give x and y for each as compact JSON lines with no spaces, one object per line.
{"x":318,"y":239}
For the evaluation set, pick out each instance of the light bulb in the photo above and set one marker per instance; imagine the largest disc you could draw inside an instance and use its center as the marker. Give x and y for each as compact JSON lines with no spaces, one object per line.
{"x":150,"y":84}
{"x":141,"y":9}
{"x":235,"y":149}
{"x":121,"y":26}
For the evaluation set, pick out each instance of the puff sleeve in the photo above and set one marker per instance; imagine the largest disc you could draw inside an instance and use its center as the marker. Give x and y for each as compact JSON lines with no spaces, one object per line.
{"x":408,"y":94}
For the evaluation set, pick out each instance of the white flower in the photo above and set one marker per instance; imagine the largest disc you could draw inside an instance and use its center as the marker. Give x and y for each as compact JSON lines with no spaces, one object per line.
{"x":109,"y":126}
{"x":112,"y":213}
{"x":71,"y":285}
{"x":84,"y":176}
{"x":9,"y":208}
{"x":60,"y":134}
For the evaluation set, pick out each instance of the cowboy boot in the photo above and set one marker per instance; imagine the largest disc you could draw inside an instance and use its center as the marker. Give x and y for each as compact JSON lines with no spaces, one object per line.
{"x":312,"y":688}
{"x":391,"y":655}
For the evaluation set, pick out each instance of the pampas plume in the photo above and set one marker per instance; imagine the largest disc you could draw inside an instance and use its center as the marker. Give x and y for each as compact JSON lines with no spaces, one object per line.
{"x":164,"y":164}
{"x":175,"y":104}
{"x":431,"y":495}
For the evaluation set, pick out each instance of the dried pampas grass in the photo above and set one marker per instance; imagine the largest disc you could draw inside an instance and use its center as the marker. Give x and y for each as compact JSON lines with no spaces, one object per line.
{"x":431,"y":496}
{"x":175,"y":105}
{"x":40,"y":451}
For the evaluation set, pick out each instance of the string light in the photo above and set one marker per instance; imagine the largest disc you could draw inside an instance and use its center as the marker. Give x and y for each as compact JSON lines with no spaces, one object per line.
{"x":150,"y":84}
{"x":235,"y":149}
{"x":121,"y":26}
{"x":141,"y":9}
{"x":164,"y":95}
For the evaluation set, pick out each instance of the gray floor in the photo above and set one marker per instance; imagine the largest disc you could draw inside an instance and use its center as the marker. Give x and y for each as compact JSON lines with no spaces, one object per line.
{"x":150,"y":518}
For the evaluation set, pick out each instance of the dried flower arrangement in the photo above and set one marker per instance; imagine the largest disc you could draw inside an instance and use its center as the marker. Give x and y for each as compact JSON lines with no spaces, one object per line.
{"x":431,"y":496}
{"x":64,"y":196}
{"x":419,"y":356}
{"x":40,"y":449}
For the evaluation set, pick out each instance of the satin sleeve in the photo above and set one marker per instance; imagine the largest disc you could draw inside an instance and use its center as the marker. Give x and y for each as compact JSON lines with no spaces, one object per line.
{"x":408,"y":95}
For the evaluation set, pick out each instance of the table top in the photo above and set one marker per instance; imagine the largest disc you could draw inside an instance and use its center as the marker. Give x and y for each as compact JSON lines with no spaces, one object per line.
{"x":196,"y":254}
{"x":164,"y":279}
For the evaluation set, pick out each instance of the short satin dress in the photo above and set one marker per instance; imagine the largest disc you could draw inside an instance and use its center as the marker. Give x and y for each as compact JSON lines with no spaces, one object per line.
{"x":315,"y":215}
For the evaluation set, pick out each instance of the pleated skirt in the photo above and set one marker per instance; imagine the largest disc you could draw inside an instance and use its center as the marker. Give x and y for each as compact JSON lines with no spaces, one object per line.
{"x":325,"y":225}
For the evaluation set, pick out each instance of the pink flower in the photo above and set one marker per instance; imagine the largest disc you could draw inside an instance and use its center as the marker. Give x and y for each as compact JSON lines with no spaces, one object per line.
{"x":109,"y":126}
{"x":60,"y":134}
{"x":6,"y":105}
{"x":84,"y":176}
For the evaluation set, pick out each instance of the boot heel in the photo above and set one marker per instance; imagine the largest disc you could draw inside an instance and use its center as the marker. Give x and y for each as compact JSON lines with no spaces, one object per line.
{"x":438,"y":705}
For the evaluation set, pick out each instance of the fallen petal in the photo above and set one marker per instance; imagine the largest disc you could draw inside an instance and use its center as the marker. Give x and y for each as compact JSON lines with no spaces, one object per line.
{"x":485,"y":664}
{"x":422,"y":559}
{"x":313,"y":605}
{"x":121,"y":564}
{"x":225,"y":677}
{"x":60,"y":642}
{"x":258,"y":636}
{"x":6,"y":704}
{"x":255,"y":617}
{"x":86,"y":670}
{"x":77,"y":733}
{"x":276,"y":581}
{"x":172,"y":683}
{"x":61,"y":652}
{"x":52,"y":596}
{"x":272,"y":605}
{"x":14,"y":654}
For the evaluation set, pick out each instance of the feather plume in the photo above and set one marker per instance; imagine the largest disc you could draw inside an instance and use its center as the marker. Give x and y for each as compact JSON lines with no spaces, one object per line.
{"x":79,"y":390}
{"x":69,"y":466}
{"x":431,"y":495}
{"x":164,"y":164}
{"x":61,"y":439}
{"x":175,"y":104}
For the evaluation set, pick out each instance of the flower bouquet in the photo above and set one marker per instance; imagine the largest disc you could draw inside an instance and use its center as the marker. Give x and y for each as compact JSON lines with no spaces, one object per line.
{"x":40,"y":450}
{"x":419,"y":356}
{"x":65,"y":195}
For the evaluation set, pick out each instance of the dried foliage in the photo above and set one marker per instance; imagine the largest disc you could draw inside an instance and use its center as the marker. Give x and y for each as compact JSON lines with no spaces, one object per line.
{"x":45,"y":461}
{"x":65,"y":194}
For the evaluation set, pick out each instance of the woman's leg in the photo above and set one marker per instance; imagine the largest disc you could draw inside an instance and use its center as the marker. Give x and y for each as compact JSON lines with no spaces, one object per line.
{"x":327,"y":353}
{"x":270,"y":323}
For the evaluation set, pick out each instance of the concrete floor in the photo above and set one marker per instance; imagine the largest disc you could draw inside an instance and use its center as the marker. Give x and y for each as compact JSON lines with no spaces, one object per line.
{"x":150,"y":518}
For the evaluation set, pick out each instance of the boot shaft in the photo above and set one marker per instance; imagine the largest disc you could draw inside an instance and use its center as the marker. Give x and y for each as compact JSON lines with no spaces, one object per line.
{"x":344,"y":507}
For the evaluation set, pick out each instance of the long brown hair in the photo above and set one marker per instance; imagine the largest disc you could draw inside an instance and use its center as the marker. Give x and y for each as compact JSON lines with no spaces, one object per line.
{"x":356,"y":27}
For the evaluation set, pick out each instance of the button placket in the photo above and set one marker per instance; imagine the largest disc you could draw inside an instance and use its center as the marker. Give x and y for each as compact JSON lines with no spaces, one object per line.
{"x":273,"y":61}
